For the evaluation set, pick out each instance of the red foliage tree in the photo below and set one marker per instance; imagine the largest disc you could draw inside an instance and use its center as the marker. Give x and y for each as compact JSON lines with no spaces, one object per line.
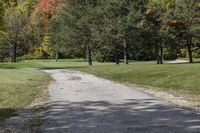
{"x":48,"y":7}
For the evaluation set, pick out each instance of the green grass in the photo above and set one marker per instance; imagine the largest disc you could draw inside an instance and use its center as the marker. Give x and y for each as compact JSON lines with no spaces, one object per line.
{"x":18,"y":88}
{"x":16,"y":84}
{"x":167,"y":76}
{"x":49,"y":64}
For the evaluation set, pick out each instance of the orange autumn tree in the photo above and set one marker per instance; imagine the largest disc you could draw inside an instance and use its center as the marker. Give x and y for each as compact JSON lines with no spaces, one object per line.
{"x":41,"y":14}
{"x":47,"y":7}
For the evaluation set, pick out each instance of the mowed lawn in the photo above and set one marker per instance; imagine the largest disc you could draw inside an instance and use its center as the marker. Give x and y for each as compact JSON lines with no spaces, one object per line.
{"x":184,"y":77}
{"x":18,"y":88}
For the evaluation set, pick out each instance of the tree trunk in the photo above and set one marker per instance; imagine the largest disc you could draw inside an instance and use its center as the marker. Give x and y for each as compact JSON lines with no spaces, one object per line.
{"x":161,"y":54}
{"x":126,"y":57}
{"x":157,"y":55}
{"x":10,"y":53}
{"x":117,"y":56}
{"x":89,"y":55}
{"x":85,"y":50}
{"x":13,"y":53}
{"x":125,"y":54}
{"x":57,"y":56}
{"x":189,"y":47}
{"x":87,"y":45}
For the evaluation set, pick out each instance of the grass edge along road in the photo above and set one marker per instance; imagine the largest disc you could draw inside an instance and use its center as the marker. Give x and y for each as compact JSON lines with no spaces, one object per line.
{"x":179,"y":79}
{"x":19,"y":88}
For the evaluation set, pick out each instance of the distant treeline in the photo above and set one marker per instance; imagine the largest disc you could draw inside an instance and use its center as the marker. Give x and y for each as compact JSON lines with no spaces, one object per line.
{"x":102,"y":30}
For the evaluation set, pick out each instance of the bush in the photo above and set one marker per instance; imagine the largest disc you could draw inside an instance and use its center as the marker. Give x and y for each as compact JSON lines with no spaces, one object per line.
{"x":183,"y":53}
{"x":104,"y":56}
{"x":196,"y":54}
{"x":169,"y":55}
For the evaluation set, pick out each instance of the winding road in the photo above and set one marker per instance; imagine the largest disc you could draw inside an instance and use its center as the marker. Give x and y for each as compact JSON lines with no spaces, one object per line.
{"x":83,"y":103}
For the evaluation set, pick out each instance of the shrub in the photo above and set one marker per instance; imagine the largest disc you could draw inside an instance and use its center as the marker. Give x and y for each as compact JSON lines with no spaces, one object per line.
{"x":169,"y":55}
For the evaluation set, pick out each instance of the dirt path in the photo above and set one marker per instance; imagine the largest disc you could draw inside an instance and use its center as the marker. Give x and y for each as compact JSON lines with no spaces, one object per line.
{"x":82,"y":103}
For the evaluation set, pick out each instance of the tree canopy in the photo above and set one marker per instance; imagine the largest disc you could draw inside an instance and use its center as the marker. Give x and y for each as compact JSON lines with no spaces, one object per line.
{"x":105,"y":30}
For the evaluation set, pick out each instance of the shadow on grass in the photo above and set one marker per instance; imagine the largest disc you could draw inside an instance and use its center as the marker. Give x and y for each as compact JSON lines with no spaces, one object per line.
{"x":52,"y":68}
{"x":43,"y":68}
{"x":24,"y":121}
{"x":196,"y":62}
{"x":5,"y":113}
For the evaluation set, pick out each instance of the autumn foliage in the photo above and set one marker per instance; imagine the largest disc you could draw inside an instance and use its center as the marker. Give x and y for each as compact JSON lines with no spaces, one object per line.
{"x":47,"y":6}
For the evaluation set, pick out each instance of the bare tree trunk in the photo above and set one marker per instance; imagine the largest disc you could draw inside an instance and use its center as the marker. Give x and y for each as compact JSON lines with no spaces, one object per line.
{"x":189,"y":47}
{"x":125,"y":54}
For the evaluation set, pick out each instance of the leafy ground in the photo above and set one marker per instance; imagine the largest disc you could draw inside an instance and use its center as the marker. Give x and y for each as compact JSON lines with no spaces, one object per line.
{"x":18,"y":88}
{"x":14,"y":82}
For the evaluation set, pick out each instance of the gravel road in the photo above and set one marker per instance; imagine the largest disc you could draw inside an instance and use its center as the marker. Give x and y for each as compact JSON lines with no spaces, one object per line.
{"x":83,"y":103}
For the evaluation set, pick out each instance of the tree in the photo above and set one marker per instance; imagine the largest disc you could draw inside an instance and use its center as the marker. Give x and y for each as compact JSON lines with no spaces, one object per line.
{"x":121,"y":25}
{"x":154,"y":15}
{"x":15,"y":22}
{"x":106,"y":30}
{"x":182,"y":18}
{"x":56,"y":37}
{"x":77,"y":19}
{"x":1,"y":15}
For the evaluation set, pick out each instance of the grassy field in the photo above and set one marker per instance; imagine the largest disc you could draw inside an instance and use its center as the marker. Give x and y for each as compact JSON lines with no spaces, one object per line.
{"x":15,"y":83}
{"x":184,"y":77}
{"x":166,"y":76}
{"x":49,"y":64}
{"x":18,"y":88}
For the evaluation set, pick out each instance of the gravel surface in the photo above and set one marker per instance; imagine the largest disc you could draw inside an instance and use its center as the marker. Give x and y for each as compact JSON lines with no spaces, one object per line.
{"x":83,"y":103}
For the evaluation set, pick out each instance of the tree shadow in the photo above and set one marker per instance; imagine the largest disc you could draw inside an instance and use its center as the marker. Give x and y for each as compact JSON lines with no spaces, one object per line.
{"x":196,"y":62}
{"x":7,"y":112}
{"x":131,"y":116}
{"x":45,"y":68}
{"x":22,"y":120}
{"x":52,"y":68}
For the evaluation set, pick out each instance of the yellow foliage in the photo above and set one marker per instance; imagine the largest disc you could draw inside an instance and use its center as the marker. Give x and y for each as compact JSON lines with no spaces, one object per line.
{"x":25,"y":6}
